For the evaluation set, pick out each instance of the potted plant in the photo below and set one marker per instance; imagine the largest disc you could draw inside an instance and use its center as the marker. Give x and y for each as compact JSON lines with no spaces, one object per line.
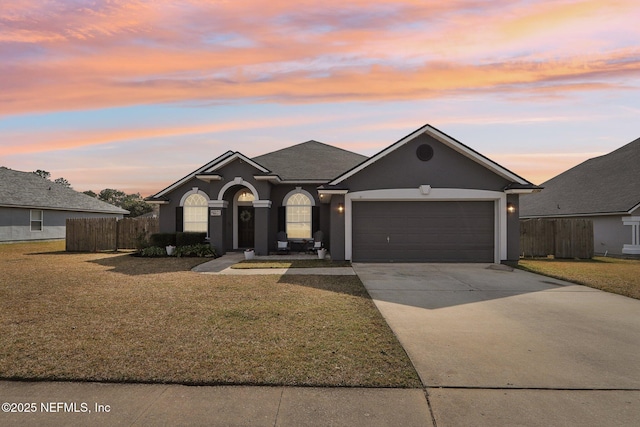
{"x":249,"y":253}
{"x":322,"y":252}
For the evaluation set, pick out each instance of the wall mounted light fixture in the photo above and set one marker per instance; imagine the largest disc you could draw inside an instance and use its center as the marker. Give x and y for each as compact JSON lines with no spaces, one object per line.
{"x":340,"y":207}
{"x":511,"y":208}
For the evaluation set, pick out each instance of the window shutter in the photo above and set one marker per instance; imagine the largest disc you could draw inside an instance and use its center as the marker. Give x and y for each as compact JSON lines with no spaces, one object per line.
{"x":315,"y":218}
{"x":282,"y":217}
{"x":179,"y":219}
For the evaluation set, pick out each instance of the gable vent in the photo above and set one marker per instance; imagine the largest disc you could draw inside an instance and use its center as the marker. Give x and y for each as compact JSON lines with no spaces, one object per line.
{"x":424,"y":152}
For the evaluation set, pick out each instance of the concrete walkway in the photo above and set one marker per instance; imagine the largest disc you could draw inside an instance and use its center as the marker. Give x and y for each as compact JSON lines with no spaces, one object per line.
{"x":497,"y":347}
{"x":96,"y":404}
{"x":223,"y":265}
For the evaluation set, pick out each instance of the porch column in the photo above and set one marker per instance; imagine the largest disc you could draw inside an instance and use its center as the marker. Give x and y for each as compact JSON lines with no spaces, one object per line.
{"x":261,"y":224}
{"x":217,"y":219}
{"x":634,"y":247}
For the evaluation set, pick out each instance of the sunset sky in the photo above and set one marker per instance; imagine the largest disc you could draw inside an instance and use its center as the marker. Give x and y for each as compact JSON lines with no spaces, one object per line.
{"x":133,"y":94}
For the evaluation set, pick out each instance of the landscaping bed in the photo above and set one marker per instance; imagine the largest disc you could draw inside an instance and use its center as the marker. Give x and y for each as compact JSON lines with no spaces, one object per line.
{"x":620,"y":276}
{"x":113,"y":317}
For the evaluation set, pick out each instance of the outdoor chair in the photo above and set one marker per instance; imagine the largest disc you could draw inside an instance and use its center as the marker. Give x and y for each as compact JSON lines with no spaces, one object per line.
{"x":283,"y":243}
{"x":317,"y":242}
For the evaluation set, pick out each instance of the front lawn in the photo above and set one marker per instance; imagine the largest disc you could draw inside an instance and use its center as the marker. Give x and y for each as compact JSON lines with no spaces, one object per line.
{"x":114,"y":317}
{"x":620,"y":276}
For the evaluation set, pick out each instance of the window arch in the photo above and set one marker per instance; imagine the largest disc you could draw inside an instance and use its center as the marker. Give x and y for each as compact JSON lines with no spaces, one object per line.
{"x":196,"y":209}
{"x":298,"y":215}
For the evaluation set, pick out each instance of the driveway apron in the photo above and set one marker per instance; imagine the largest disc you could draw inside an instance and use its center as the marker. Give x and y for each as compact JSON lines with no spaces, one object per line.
{"x":512,"y":344}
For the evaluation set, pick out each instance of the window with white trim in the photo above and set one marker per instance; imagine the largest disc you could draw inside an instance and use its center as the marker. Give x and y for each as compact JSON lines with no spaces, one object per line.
{"x":298,"y":216}
{"x":196,"y":210}
{"x":37,"y":217}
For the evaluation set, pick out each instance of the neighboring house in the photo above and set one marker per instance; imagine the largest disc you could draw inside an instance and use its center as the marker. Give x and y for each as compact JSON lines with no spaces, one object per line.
{"x":34,"y":208}
{"x":427,"y":197}
{"x":605,"y":189}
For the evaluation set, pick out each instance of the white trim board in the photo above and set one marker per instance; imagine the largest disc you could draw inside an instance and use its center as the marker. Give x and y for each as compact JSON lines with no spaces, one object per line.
{"x":434,"y":195}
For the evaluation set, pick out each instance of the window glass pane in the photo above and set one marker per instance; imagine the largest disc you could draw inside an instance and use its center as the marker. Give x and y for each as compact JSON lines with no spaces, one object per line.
{"x":195,"y":213}
{"x":36,"y":215}
{"x":298,"y":209}
{"x":36,"y":226}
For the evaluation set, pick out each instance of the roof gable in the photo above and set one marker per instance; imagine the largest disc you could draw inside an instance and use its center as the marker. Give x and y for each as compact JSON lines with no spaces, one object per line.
{"x":214,"y":165}
{"x":27,"y":190}
{"x":602,"y":185}
{"x":309,"y":161}
{"x":447,"y":141}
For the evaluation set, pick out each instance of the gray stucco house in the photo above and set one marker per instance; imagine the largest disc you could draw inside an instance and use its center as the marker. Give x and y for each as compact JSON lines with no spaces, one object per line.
{"x":605,"y":189}
{"x":426,"y":197}
{"x":34,"y":208}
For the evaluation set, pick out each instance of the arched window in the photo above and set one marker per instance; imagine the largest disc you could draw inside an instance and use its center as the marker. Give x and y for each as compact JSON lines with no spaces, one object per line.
{"x":298,"y":216}
{"x":195,"y":213}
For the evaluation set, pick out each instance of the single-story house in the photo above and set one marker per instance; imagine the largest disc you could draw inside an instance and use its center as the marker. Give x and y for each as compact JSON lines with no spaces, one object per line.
{"x":605,"y":189}
{"x":34,"y":208}
{"x":427,"y":197}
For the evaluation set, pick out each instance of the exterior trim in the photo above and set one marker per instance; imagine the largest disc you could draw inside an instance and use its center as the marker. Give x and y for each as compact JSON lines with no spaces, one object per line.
{"x":261,"y":203}
{"x":218,"y":204}
{"x":209,"y":177}
{"x":446,"y":140}
{"x":235,"y":156}
{"x":298,"y":190}
{"x":238,"y":181}
{"x":47,"y":208}
{"x":435,"y":195}
{"x":194,"y":190}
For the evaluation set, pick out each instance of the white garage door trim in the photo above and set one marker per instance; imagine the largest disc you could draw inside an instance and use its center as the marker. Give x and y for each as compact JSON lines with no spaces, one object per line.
{"x":434,"y":195}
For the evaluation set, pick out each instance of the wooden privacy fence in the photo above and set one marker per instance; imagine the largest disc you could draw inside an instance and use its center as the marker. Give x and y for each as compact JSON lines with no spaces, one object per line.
{"x":108,"y":234}
{"x":562,"y":238}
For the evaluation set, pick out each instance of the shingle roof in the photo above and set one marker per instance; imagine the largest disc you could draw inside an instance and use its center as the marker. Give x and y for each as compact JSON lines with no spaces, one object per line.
{"x":602,"y":185}
{"x":311,"y":160}
{"x":25,"y":189}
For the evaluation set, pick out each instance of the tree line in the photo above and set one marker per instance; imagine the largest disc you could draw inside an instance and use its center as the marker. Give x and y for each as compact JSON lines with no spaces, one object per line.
{"x":133,"y":202}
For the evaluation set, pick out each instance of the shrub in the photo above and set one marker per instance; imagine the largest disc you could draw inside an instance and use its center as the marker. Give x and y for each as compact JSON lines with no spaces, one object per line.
{"x":153,"y":251}
{"x":199,"y":250}
{"x":188,"y":238}
{"x":162,"y":239}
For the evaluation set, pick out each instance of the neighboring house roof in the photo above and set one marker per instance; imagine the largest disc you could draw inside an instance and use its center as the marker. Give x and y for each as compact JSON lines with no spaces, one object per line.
{"x":608,"y":184}
{"x":28,"y":190}
{"x":522,"y":184}
{"x":309,"y":161}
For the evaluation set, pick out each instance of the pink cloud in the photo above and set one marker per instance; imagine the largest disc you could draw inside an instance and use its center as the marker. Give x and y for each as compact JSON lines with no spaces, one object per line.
{"x":122,"y":53}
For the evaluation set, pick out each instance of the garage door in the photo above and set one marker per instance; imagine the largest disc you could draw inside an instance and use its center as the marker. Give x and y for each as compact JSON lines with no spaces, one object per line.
{"x":423,"y":231}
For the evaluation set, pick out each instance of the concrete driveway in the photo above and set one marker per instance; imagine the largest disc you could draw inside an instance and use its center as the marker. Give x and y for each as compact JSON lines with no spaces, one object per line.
{"x":499,"y":347}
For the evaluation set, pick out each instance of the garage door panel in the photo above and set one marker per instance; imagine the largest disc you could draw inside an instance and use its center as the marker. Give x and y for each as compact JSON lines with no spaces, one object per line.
{"x":423,"y":231}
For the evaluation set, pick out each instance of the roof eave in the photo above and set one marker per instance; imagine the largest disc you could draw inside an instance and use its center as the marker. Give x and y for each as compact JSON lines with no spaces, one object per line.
{"x":117,"y":211}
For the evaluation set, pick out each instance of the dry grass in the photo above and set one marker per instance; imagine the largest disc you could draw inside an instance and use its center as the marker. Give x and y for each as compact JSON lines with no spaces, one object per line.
{"x":290,"y":263}
{"x":113,"y":317}
{"x":620,"y":276}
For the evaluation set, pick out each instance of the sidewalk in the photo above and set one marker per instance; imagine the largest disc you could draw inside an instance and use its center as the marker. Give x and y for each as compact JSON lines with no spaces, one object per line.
{"x":98,"y":404}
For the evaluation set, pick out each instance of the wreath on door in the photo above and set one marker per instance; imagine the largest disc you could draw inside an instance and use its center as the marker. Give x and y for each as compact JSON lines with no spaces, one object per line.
{"x":245,"y":216}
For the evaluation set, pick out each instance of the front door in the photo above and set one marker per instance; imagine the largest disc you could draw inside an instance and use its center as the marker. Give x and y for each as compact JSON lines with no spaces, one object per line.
{"x":246,"y":226}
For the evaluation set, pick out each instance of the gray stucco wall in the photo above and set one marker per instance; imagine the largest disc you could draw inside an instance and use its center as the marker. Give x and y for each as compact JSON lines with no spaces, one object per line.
{"x":15,"y":223}
{"x":221,"y":228}
{"x":610,"y":235}
{"x":447,"y":169}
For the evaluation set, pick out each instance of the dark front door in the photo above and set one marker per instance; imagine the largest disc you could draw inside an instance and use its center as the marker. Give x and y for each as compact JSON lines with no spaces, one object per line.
{"x":246,"y":226}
